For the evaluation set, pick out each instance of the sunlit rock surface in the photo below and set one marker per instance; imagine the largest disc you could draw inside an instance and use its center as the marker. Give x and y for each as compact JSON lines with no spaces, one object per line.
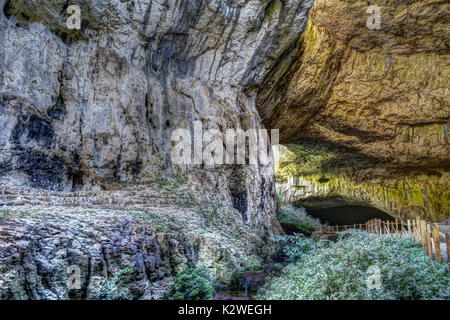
{"x":383,"y":94}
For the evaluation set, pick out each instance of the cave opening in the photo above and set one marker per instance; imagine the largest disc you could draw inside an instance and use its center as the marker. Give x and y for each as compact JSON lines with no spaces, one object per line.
{"x":348,"y":214}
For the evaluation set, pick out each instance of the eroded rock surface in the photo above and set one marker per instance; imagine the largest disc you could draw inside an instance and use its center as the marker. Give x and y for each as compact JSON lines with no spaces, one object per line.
{"x":98,"y":105}
{"x":383,"y":94}
{"x":126,"y":244}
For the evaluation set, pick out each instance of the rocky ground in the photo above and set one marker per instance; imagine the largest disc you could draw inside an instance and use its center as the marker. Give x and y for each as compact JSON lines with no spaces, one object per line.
{"x":150,"y":231}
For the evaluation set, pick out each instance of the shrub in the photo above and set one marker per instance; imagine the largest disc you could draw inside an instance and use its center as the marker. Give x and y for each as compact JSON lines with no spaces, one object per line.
{"x":339,"y":271}
{"x":251,"y":264}
{"x":117,"y":287}
{"x":291,"y":216}
{"x":192,"y":284}
{"x":294,"y":246}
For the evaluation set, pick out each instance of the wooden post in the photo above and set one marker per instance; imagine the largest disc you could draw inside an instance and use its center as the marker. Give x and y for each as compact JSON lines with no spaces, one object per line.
{"x":414,"y":229}
{"x":419,"y":231}
{"x":425,"y":235}
{"x":447,"y":241}
{"x":423,"y":227}
{"x":389,"y":226}
{"x":396,"y":227}
{"x":429,"y":241}
{"x":409,"y":228}
{"x":437,"y":244}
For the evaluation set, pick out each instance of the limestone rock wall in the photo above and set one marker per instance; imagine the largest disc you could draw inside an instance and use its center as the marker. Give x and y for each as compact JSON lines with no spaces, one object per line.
{"x":92,"y":107}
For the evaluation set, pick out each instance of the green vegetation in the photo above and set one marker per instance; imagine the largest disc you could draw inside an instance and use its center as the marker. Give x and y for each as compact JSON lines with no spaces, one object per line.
{"x":192,"y":284}
{"x":298,"y":222}
{"x":115,"y":288}
{"x":339,"y":270}
{"x":294,"y":247}
{"x":252,"y":264}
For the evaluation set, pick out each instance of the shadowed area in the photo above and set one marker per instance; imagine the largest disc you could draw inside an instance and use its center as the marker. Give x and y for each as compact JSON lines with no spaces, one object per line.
{"x":346,"y":215}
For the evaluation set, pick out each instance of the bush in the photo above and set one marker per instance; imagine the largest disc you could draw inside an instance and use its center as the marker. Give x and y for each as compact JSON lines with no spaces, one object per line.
{"x":252,"y":264}
{"x":296,"y":218}
{"x":117,"y":288}
{"x":339,"y":271}
{"x":293,"y":247}
{"x":192,"y":284}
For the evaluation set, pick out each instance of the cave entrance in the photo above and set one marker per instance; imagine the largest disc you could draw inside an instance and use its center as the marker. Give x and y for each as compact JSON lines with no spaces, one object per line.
{"x":348,"y":214}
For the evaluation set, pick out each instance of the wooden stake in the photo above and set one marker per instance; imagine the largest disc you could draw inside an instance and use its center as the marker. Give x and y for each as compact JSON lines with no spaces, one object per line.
{"x":424,"y":235}
{"x":447,"y":241}
{"x":437,"y":244}
{"x":414,"y":229}
{"x":409,"y":228}
{"x":429,"y":240}
{"x":419,"y":231}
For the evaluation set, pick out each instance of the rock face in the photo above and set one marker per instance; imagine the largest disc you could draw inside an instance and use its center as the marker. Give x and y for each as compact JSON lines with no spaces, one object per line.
{"x":124,"y":244}
{"x":84,"y":113}
{"x":382,"y":94}
{"x":90,"y":107}
{"x":322,"y":175}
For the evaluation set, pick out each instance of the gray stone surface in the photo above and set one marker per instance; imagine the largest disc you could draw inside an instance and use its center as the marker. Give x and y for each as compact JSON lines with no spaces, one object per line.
{"x":87,"y":108}
{"x":84,"y":112}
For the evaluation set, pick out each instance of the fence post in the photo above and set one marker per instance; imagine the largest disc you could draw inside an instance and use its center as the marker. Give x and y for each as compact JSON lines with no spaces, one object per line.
{"x":437,"y":244}
{"x":429,"y":240}
{"x":396,"y":227}
{"x":419,"y":230}
{"x":409,"y":228}
{"x":447,"y":241}
{"x":414,"y":229}
{"x":421,"y":234}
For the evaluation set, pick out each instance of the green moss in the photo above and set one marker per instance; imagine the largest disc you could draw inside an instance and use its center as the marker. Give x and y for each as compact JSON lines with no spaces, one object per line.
{"x":303,"y":225}
{"x":273,"y":8}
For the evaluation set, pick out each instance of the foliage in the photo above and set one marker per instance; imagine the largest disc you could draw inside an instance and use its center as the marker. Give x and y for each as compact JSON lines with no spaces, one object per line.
{"x":252,"y":264}
{"x":300,"y":220}
{"x":115,"y":288}
{"x":338,"y":270}
{"x":293,"y":247}
{"x":192,"y":284}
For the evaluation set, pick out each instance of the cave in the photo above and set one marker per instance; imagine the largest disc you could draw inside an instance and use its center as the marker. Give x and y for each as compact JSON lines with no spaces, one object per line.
{"x":348,"y":214}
